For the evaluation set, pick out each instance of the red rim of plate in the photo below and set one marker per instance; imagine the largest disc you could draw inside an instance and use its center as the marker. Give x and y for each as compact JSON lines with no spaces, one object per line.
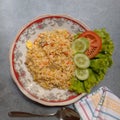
{"x":15,"y":75}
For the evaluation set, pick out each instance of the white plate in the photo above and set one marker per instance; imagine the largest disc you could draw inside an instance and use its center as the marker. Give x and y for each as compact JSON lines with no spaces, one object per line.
{"x":20,"y":74}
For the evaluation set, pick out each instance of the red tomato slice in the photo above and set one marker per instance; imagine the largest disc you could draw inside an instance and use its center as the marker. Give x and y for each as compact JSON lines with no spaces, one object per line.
{"x":95,"y":43}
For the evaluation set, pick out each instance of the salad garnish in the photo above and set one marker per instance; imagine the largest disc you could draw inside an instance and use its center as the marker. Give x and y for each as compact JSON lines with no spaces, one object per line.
{"x":99,"y":49}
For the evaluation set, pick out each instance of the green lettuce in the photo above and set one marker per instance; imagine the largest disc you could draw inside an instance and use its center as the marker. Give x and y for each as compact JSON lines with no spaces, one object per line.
{"x":107,"y":43}
{"x":76,"y":35}
{"x":91,"y":81}
{"x":77,"y":85}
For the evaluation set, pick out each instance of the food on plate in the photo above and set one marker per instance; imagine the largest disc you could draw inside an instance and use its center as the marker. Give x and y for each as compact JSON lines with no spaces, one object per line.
{"x":82,"y":74}
{"x":49,"y":59}
{"x":81,"y":61}
{"x":29,"y":44}
{"x":99,"y":64}
{"x":80,"y":45}
{"x":95,"y":43}
{"x":58,"y":59}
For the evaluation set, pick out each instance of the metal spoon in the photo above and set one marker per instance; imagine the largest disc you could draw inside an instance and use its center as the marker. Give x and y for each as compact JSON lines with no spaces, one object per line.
{"x":63,"y":114}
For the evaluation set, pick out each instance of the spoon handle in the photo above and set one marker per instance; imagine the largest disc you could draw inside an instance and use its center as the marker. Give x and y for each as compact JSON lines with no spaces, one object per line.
{"x":26,"y":114}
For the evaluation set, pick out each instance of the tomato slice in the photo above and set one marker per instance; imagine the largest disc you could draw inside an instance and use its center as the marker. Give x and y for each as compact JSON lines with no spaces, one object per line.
{"x":95,"y":43}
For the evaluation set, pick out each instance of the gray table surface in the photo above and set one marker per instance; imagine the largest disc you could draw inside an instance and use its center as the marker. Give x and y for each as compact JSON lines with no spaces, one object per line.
{"x":15,"y":13}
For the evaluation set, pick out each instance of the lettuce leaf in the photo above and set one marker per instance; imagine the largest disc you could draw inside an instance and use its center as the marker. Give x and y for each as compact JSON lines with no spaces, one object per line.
{"x":77,"y":85}
{"x":91,"y":81}
{"x":76,"y":36}
{"x":107,"y":43}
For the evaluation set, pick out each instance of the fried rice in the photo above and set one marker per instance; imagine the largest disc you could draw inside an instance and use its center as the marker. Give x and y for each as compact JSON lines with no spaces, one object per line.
{"x":50,"y":59}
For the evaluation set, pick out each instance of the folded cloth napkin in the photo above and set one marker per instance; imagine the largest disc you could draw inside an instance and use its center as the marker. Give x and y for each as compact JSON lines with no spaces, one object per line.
{"x":99,"y":105}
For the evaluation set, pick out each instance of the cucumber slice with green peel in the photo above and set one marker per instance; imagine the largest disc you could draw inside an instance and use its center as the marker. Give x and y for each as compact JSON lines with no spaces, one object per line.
{"x":86,"y":41}
{"x":82,"y":74}
{"x":81,"y":60}
{"x":80,"y":45}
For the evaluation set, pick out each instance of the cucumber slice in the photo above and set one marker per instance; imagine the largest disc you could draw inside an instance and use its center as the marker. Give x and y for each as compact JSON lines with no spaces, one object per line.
{"x":80,"y":45}
{"x":81,"y":60}
{"x":82,"y":74}
{"x":86,"y":41}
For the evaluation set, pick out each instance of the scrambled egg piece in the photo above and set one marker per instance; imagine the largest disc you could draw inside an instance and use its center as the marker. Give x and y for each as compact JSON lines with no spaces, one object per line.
{"x":29,"y":44}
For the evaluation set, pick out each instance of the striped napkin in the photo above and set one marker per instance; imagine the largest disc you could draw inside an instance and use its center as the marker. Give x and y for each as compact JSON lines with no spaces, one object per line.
{"x":99,"y":105}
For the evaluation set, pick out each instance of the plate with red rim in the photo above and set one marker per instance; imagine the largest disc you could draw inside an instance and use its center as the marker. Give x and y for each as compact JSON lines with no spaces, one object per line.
{"x":19,"y":72}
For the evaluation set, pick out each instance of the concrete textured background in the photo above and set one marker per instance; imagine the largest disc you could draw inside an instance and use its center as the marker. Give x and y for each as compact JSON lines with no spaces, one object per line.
{"x":15,"y":13}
